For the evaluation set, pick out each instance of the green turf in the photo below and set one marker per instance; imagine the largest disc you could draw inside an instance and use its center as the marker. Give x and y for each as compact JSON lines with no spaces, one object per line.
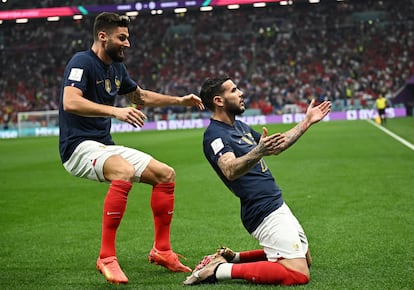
{"x":349,"y":184}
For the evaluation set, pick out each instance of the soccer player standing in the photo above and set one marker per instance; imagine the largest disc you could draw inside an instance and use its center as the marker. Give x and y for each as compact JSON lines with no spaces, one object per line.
{"x":92,"y":80}
{"x":236,"y":152}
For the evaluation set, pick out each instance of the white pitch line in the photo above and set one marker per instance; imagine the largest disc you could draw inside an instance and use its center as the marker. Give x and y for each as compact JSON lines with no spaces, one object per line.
{"x":395,"y":136}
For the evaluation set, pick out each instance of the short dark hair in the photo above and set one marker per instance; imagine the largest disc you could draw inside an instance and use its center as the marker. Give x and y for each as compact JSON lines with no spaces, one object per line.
{"x":108,"y":21}
{"x":211,"y":88}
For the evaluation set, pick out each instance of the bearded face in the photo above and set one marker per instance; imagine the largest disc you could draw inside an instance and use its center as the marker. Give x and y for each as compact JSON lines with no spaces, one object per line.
{"x":115,"y":51}
{"x":234,"y":106}
{"x":116,"y":42}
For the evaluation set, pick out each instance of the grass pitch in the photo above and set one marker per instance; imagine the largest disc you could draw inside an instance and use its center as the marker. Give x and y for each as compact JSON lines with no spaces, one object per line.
{"x":350,"y":185}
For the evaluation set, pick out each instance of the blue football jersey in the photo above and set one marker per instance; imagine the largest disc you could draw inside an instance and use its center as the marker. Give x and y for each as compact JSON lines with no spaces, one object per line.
{"x":100,"y":83}
{"x":259,"y":194}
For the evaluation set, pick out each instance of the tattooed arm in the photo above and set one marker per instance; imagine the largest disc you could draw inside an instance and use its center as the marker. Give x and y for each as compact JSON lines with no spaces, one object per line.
{"x":233,"y":167}
{"x":313,"y":115}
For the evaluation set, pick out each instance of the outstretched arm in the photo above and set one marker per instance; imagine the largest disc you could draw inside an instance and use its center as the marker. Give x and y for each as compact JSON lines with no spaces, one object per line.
{"x":313,"y":115}
{"x":233,"y":167}
{"x":154,"y":99}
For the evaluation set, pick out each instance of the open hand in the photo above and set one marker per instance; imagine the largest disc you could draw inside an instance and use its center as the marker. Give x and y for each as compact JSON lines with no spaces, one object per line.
{"x":317,"y":113}
{"x":192,"y":100}
{"x":273,"y":144}
{"x":131,"y":116}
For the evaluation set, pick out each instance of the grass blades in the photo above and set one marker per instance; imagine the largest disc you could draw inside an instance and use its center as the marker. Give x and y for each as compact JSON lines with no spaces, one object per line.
{"x":349,"y":184}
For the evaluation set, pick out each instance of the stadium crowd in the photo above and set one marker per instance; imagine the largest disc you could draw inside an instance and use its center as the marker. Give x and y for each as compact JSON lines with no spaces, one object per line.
{"x":347,"y":52}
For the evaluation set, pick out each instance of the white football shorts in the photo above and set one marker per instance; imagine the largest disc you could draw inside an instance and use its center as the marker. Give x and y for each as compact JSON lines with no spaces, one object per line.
{"x":89,"y":157}
{"x":281,"y":235}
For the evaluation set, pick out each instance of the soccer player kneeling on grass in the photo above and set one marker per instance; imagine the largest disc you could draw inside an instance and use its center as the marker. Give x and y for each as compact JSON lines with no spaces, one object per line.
{"x":236,"y":152}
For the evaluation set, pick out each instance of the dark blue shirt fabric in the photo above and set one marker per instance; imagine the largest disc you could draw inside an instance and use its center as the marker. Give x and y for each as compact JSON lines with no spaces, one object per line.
{"x":258,"y":193}
{"x":100,"y":83}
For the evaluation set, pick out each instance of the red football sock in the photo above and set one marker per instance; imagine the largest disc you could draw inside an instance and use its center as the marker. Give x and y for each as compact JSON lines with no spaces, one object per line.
{"x":113,"y":211}
{"x":162,"y":204}
{"x":252,"y":256}
{"x":266,"y":272}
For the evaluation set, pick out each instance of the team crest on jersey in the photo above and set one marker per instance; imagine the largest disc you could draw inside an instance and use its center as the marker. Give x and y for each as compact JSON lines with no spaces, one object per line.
{"x":117,"y":83}
{"x":108,"y":85}
{"x":248,"y":138}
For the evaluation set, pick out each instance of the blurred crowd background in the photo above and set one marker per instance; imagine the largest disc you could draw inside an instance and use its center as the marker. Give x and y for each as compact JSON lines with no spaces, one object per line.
{"x":349,"y":52}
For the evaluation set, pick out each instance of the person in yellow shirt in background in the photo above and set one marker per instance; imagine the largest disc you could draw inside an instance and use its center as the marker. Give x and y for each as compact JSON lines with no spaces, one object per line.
{"x":381,"y":104}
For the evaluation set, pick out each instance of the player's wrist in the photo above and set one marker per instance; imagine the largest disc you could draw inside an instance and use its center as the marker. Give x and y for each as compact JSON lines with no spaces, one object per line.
{"x":112,"y":112}
{"x":259,"y":151}
{"x":306,"y":123}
